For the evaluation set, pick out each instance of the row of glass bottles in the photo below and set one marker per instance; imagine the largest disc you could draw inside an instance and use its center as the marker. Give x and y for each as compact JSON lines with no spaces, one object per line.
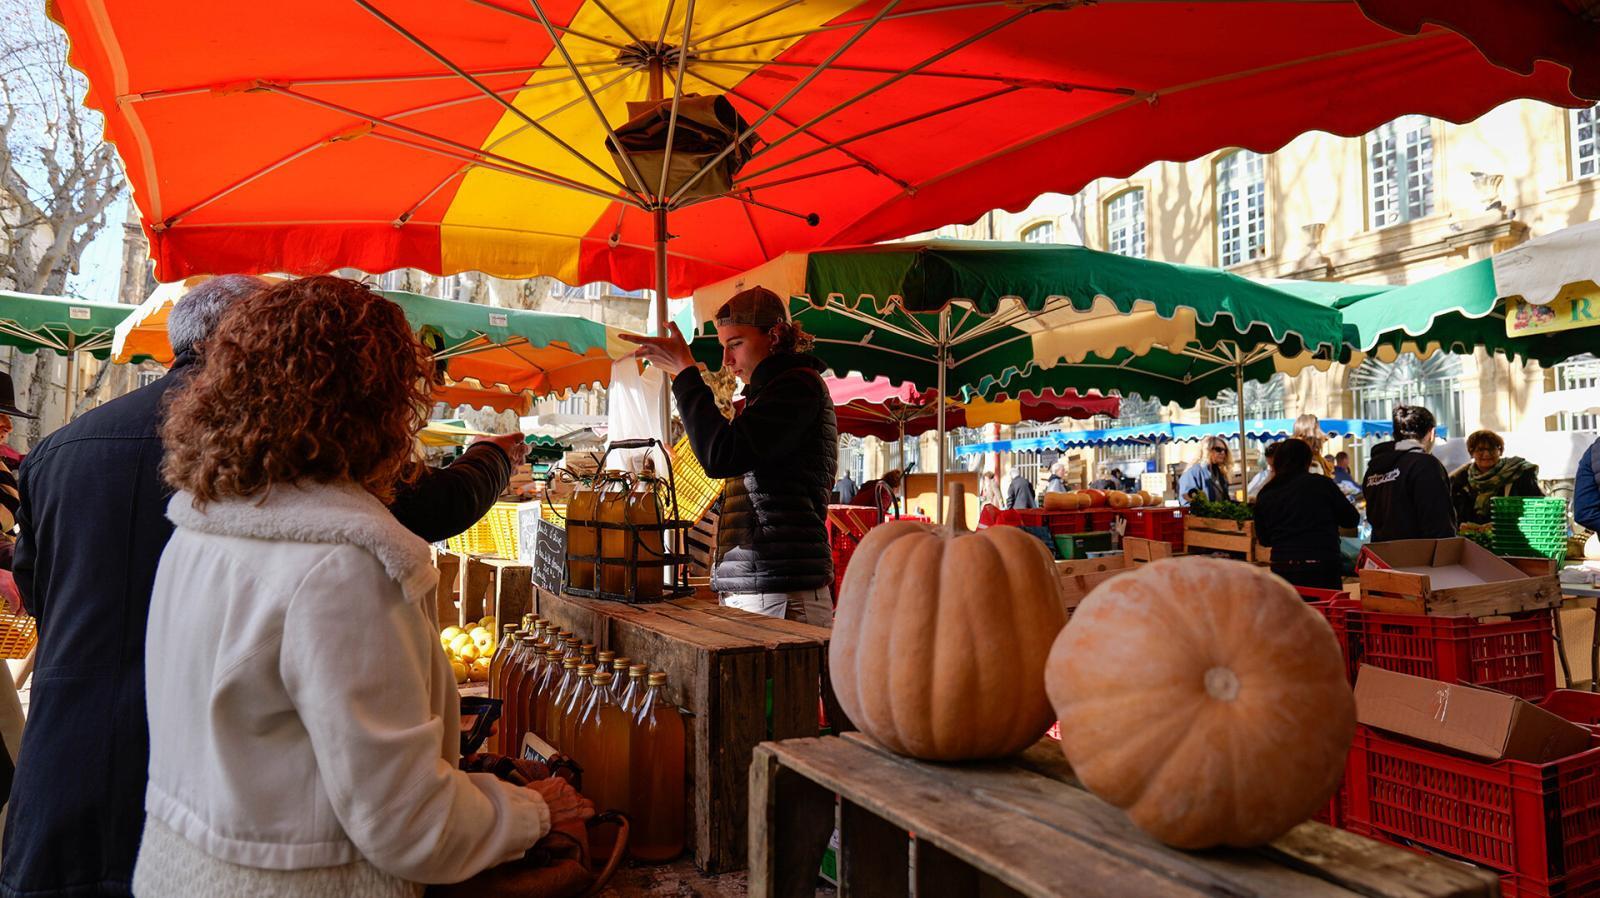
{"x":616,"y":498}
{"x":608,"y":714}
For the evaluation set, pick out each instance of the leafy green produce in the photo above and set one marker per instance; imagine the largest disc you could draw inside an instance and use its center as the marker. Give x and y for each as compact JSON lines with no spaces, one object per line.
{"x":1226,"y":509}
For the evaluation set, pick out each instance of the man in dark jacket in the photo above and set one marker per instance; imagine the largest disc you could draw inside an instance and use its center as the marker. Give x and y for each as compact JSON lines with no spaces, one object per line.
{"x":844,"y":489}
{"x":92,"y":527}
{"x":1019,"y":492}
{"x":1407,"y":489}
{"x":1586,"y":489}
{"x":779,"y":455}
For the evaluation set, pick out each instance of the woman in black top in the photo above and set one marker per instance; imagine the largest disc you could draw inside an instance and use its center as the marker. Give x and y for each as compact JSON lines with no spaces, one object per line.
{"x":1298,"y":516}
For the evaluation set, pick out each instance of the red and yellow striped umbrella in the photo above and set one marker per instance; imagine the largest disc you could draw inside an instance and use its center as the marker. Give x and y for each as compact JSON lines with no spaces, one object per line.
{"x":307,"y":135}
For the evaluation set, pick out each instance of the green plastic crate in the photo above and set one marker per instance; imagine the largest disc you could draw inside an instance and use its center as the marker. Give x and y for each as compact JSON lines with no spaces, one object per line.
{"x":1079,"y":545}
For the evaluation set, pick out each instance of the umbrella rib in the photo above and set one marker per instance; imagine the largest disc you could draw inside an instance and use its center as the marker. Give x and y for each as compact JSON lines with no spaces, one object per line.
{"x":744,"y":135}
{"x":1042,"y":83}
{"x":561,"y":28}
{"x":493,"y":164}
{"x":594,"y":104}
{"x":172,"y":92}
{"x":834,"y":26}
{"x":406,"y":216}
{"x":599,"y":4}
{"x":754,"y":231}
{"x":749,"y":20}
{"x":873,"y":132}
{"x":666,"y":21}
{"x":509,"y":106}
{"x":474,"y":152}
{"x":879,"y":349}
{"x":677,"y":94}
{"x":877,"y":323}
{"x":958,"y":46}
{"x":172,"y":220}
{"x":785,"y":120}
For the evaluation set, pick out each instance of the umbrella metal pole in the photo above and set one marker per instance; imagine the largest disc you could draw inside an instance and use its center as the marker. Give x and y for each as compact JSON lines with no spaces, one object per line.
{"x":1244,"y":472}
{"x":940,"y":356}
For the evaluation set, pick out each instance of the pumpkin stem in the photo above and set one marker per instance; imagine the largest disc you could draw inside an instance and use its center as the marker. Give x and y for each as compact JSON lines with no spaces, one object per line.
{"x":958,"y":508}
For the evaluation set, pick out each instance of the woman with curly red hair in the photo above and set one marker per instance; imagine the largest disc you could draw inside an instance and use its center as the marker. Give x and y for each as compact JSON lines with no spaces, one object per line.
{"x":304,"y":723}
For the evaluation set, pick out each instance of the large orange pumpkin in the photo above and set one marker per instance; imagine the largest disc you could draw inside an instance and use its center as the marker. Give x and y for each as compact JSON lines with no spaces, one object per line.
{"x":1063,"y":501}
{"x":1205,"y":698}
{"x":1119,"y":499}
{"x":1097,"y":498}
{"x":940,"y":639}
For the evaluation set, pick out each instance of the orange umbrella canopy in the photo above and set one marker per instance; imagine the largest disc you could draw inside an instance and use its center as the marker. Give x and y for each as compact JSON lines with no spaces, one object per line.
{"x":448,"y":135}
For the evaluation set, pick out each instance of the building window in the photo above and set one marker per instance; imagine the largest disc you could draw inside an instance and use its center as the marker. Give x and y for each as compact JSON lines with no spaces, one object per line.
{"x":1261,"y":400}
{"x":1400,"y":170}
{"x":1241,"y":207}
{"x":1433,"y":383}
{"x":1125,"y":223}
{"x":146,"y":378}
{"x":1585,"y":142}
{"x":1044,"y":232}
{"x":1578,"y":373}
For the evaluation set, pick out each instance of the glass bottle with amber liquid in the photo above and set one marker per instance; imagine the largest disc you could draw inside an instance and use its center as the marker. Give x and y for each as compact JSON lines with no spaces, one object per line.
{"x":601,"y":744}
{"x":549,"y":677}
{"x":572,"y":710}
{"x":521,"y":681}
{"x":656,"y":787}
{"x":557,"y":699}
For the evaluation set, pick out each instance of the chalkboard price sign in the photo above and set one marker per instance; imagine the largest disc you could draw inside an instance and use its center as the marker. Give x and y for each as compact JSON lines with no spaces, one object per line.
{"x":550,"y":557}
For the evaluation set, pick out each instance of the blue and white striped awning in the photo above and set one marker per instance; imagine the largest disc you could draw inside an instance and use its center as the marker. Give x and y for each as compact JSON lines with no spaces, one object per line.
{"x":1260,"y":429}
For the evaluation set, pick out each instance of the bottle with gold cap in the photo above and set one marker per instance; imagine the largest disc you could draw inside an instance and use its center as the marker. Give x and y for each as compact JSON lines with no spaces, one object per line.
{"x":508,"y":641}
{"x":603,"y":661}
{"x":586,"y":655}
{"x":518,"y":687}
{"x":572,"y":710}
{"x":539,"y":703}
{"x":656,"y":784}
{"x":601,"y":745}
{"x":619,"y":678}
{"x":628,"y":701}
{"x":556,"y":703}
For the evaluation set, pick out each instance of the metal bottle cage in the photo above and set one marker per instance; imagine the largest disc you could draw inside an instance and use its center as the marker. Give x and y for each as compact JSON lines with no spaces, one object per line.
{"x":679,"y":586}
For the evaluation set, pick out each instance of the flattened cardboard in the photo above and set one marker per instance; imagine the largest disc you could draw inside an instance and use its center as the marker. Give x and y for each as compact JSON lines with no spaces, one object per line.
{"x":1450,"y":577}
{"x":1482,"y":723}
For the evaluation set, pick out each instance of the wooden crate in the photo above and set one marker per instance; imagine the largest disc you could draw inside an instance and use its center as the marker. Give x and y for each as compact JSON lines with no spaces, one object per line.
{"x":1238,"y":537}
{"x":1403,"y":592}
{"x":471,"y":586}
{"x":1024,"y":827}
{"x":1079,"y":576}
{"x":720,"y":662}
{"x":701,"y":544}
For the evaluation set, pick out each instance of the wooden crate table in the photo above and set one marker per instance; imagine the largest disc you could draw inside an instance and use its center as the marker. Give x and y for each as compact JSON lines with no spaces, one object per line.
{"x":1222,"y":534}
{"x":1023,"y":827}
{"x":471,"y":586}
{"x":723,"y":665}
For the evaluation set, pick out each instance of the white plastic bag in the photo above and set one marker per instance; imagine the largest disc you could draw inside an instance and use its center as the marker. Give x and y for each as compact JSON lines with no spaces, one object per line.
{"x":634,"y":412}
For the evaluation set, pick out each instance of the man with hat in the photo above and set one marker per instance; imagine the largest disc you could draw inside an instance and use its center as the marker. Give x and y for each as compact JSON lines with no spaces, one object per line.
{"x":779,"y":455}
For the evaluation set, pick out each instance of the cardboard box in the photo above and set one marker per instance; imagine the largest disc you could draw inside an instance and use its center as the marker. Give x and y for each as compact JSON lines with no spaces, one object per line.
{"x":1448,"y":577}
{"x":1482,"y":723}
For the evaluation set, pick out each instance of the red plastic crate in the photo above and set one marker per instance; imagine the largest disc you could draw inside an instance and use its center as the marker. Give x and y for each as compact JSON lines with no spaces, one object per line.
{"x":1336,"y":607}
{"x":1540,"y":822}
{"x":1515,"y":656}
{"x":1164,"y":524}
{"x":1055,"y":521}
{"x":1576,"y":705}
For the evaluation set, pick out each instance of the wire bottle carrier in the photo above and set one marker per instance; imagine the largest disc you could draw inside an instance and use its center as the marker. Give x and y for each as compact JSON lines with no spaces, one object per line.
{"x":632,"y":545}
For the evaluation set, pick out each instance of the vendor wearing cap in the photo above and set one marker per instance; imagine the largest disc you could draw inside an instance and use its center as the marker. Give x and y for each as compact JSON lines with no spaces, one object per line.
{"x":779,"y":455}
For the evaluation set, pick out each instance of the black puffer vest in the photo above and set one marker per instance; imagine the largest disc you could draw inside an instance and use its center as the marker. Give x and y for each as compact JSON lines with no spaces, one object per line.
{"x":771,"y":536}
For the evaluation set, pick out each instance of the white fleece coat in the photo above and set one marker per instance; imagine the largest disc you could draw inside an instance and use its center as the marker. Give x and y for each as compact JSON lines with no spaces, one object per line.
{"x":302,"y":713}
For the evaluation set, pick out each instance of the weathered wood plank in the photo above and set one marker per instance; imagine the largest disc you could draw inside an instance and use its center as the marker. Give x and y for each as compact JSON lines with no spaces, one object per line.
{"x":874,"y":855}
{"x":513,"y":590}
{"x":796,"y":672}
{"x":474,"y":576}
{"x":791,"y":819}
{"x":447,"y":564}
{"x":737,"y":723}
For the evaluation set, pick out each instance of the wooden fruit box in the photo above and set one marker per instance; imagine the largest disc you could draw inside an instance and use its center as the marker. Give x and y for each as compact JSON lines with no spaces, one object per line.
{"x":1025,"y":827}
{"x":1079,"y":576}
{"x":720,"y":663}
{"x":1222,"y":534}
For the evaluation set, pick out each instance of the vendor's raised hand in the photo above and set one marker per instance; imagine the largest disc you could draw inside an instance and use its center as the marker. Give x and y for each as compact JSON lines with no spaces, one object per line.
{"x":668,"y":352}
{"x":512,"y":444}
{"x":564,"y":801}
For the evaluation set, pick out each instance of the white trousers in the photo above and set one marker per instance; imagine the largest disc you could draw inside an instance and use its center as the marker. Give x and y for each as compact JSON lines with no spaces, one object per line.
{"x":810,"y":606}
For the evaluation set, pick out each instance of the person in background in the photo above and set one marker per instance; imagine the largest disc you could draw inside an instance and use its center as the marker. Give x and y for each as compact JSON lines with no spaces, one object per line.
{"x":1407,"y":489}
{"x":1490,"y":473}
{"x":304,"y":723}
{"x":1342,"y":474}
{"x":1112,"y":480}
{"x":885,"y":491}
{"x":1253,"y":489}
{"x":8,"y":407}
{"x":1058,"y":479}
{"x":1308,"y":428}
{"x":1298,"y":516}
{"x":1019,"y":492}
{"x":844,"y":490}
{"x":779,"y":456}
{"x":1586,"y":489}
{"x":989,"y":492}
{"x":1208,"y":476}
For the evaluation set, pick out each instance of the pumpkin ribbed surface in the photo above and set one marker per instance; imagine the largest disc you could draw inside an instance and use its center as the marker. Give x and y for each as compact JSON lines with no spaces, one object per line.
{"x":1205,"y":698}
{"x":939,"y":641}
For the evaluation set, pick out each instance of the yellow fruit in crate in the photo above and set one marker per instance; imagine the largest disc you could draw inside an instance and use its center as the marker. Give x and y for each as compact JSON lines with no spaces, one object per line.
{"x":449,"y":633}
{"x":477,"y":634}
{"x":460,"y":670}
{"x":488,"y":623}
{"x":460,"y":641}
{"x":479,"y":671}
{"x":468,"y":653}
{"x":484,"y":642}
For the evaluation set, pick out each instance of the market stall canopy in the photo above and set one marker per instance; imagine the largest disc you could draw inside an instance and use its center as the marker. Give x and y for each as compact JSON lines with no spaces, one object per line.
{"x":1270,"y":429}
{"x":385,"y":134}
{"x":1128,"y":435}
{"x":878,"y":408}
{"x":65,"y":326}
{"x":999,"y":311}
{"x":1467,"y":308}
{"x":485,"y":350}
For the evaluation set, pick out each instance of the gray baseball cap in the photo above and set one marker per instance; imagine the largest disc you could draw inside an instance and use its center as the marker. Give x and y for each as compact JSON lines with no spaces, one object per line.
{"x":755,"y":307}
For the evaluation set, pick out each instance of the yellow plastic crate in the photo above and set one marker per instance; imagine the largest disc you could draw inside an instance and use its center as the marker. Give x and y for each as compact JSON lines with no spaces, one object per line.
{"x":494,"y":534}
{"x":18,"y":634}
{"x":696,"y":491}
